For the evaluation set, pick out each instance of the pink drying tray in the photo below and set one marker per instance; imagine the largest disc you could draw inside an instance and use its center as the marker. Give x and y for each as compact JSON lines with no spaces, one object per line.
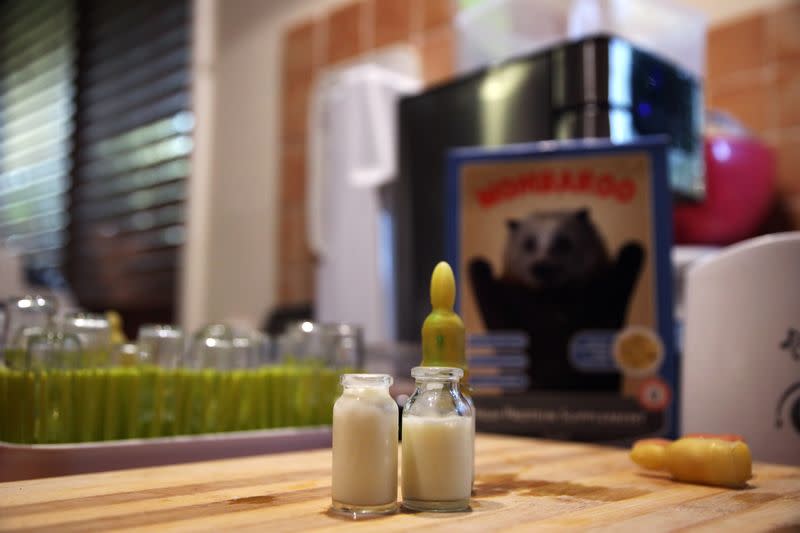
{"x":29,"y":461}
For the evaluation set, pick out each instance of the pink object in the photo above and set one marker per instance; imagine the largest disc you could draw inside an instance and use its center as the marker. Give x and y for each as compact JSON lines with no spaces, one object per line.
{"x":740,"y":185}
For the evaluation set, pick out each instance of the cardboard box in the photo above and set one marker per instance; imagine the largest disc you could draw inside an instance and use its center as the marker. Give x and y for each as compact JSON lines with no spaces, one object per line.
{"x":562,"y":255}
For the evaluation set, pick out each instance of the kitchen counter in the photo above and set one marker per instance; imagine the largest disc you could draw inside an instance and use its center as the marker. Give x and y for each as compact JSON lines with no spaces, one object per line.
{"x":521,"y":484}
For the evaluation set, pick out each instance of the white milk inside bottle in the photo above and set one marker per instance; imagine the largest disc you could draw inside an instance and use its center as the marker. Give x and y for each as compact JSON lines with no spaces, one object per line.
{"x":437,"y":458}
{"x":365,"y":426}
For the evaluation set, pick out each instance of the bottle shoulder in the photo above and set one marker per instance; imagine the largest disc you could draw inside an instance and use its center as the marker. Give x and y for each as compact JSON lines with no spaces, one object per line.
{"x":443,"y":319}
{"x":352,"y":399}
{"x":437,"y":402}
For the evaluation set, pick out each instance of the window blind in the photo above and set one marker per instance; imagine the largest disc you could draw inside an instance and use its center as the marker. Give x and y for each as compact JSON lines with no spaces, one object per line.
{"x":37,"y":72}
{"x":133,"y":139}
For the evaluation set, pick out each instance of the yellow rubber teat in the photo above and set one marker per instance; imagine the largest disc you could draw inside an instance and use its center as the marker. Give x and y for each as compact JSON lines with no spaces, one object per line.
{"x":443,"y":330}
{"x":115,"y":322}
{"x":443,"y":287}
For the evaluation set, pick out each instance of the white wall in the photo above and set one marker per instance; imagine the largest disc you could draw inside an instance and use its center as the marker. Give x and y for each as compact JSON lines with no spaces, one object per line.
{"x":230,"y":261}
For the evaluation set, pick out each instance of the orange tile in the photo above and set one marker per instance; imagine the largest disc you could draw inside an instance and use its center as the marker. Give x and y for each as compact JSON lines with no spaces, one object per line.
{"x":293,"y":174}
{"x":392,"y":21}
{"x":437,"y":49}
{"x":298,"y":47}
{"x":738,"y":45}
{"x":346,"y":29}
{"x":784,"y":30}
{"x":283,"y":293}
{"x":294,"y":109}
{"x":297,"y":284}
{"x":788,"y":92}
{"x":788,"y":162}
{"x":753,"y":104}
{"x":294,"y":242}
{"x":740,"y":80}
{"x":433,"y":13}
{"x":286,"y":233}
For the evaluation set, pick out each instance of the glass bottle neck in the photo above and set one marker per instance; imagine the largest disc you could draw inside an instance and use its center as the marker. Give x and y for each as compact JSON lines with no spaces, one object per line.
{"x":431,"y":385}
{"x":366,"y":381}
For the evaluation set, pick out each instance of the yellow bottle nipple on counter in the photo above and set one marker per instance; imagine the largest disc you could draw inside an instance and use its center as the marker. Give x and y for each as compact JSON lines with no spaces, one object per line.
{"x":443,"y":330}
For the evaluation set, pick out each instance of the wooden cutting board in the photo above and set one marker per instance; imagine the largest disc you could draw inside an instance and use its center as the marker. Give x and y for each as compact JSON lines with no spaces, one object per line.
{"x":521,"y":484}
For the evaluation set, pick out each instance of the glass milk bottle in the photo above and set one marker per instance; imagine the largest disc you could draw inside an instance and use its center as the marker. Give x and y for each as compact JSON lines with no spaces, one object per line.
{"x":365,"y":427}
{"x":438,"y":448}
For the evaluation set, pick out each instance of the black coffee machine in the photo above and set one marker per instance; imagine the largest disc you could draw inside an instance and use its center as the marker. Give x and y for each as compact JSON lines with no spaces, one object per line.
{"x":600,"y":86}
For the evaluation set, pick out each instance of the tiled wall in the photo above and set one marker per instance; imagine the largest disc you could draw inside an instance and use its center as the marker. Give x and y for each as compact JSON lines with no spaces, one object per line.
{"x":753,"y":71}
{"x":340,"y":35}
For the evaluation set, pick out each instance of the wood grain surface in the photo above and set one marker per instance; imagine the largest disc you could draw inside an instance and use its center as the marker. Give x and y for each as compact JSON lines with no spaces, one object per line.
{"x":521,"y":484}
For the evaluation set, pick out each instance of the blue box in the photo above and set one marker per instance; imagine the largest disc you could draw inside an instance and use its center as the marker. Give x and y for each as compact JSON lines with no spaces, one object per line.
{"x":561,"y":251}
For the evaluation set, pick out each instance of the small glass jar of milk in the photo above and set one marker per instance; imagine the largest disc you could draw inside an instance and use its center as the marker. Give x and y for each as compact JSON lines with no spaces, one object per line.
{"x":438,"y":450}
{"x":365,"y":427}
